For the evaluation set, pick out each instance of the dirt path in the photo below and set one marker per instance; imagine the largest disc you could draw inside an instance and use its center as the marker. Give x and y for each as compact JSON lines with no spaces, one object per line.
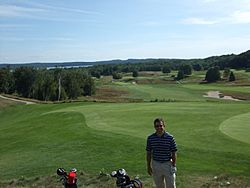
{"x":17,"y":100}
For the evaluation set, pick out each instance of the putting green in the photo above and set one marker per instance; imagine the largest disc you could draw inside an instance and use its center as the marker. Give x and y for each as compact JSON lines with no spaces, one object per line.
{"x":237,"y":127}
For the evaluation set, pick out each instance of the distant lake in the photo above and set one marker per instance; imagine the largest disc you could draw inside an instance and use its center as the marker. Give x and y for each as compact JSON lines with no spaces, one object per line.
{"x":69,"y":66}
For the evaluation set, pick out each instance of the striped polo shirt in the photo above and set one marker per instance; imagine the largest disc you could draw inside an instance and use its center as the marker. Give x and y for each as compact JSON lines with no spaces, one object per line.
{"x":161,"y":147}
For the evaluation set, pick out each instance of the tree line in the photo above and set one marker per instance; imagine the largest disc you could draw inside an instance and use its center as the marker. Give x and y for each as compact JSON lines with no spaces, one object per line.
{"x":46,"y":85}
{"x":241,"y":61}
{"x":60,"y":84}
{"x":183,"y":70}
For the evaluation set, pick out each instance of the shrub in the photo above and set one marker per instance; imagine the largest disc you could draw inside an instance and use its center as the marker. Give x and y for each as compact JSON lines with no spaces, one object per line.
{"x":116,"y":75}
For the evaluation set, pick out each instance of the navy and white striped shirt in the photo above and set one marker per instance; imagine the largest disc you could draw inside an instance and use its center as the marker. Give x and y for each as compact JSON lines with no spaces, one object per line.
{"x":161,"y":147}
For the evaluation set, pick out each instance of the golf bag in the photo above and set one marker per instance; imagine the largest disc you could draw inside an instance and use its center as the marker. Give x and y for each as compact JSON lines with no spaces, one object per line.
{"x":123,"y":180}
{"x":68,"y":179}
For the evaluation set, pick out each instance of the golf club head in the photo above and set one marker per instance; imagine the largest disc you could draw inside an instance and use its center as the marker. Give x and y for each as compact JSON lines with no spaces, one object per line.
{"x":60,"y":171}
{"x":121,"y":172}
{"x":113,"y":174}
{"x":73,"y":170}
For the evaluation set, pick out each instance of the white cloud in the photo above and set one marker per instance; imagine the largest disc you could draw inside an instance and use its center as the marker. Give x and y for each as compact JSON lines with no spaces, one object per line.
{"x":199,"y":21}
{"x":29,"y":8}
{"x":237,"y":17}
{"x":39,"y":11}
{"x":16,"y":11}
{"x":240,"y":17}
{"x":58,"y":8}
{"x":13,"y":26}
{"x":20,"y":39}
{"x":152,"y":24}
{"x":219,"y":12}
{"x":209,"y":1}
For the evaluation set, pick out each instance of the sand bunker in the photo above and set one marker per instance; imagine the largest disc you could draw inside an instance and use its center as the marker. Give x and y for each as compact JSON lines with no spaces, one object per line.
{"x":218,"y":95}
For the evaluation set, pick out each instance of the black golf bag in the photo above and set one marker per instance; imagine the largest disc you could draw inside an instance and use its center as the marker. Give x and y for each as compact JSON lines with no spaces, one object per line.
{"x":123,"y":180}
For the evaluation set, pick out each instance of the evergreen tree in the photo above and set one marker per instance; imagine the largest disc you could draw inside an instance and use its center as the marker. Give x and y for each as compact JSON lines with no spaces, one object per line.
{"x":180,"y":75}
{"x":166,"y":69}
{"x":95,"y":73}
{"x":198,"y":67}
{"x":135,"y":73}
{"x":88,"y":86}
{"x":186,"y":69}
{"x":24,"y":80}
{"x":6,"y":81}
{"x":213,"y":74}
{"x":226,"y":72}
{"x":231,"y":77}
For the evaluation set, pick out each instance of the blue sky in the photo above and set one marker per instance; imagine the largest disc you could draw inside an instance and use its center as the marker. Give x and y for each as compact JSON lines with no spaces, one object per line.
{"x":91,"y":30}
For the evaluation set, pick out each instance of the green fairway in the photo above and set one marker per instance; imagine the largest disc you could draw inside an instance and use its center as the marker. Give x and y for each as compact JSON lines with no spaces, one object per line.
{"x":178,"y":91}
{"x":161,"y":92}
{"x":218,"y":87}
{"x":36,"y":139}
{"x":237,"y":127}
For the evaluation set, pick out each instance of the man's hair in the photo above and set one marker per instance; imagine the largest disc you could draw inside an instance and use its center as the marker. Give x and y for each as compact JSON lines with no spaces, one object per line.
{"x":159,"y":120}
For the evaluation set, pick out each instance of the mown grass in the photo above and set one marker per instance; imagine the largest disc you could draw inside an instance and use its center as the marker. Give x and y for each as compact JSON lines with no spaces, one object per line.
{"x":36,"y":139}
{"x":156,"y":86}
{"x":237,"y":127}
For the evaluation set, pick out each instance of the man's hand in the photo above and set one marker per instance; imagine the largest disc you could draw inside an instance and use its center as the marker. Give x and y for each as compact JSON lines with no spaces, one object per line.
{"x":149,"y":156}
{"x":173,"y":164}
{"x":150,"y":172}
{"x":173,"y":169}
{"x":173,"y":160}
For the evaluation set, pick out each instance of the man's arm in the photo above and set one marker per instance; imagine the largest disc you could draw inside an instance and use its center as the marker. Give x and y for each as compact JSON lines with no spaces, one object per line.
{"x":174,"y":157}
{"x":149,"y":158}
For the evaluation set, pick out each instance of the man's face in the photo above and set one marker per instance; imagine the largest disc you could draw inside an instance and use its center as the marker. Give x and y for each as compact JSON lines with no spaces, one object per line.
{"x":159,"y":127}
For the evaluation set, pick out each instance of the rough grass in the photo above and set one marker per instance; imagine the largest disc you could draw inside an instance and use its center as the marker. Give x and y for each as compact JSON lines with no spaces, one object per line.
{"x":94,"y":181}
{"x":5,"y":103}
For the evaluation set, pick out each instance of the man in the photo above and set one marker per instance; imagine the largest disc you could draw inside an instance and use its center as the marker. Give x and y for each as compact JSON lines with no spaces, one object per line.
{"x":161,"y":156}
